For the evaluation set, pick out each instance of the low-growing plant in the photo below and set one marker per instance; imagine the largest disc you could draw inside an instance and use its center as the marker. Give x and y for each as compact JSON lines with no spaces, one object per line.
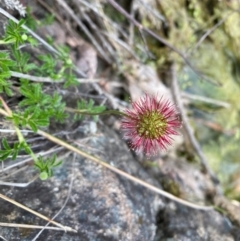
{"x":36,"y":108}
{"x":148,"y":127}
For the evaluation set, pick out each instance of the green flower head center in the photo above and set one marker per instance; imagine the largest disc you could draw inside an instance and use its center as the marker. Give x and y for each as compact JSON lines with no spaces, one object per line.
{"x":151,"y":125}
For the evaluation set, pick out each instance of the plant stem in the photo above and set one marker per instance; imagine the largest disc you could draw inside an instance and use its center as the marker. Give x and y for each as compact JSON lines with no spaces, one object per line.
{"x":86,"y":112}
{"x":3,"y":42}
{"x":3,"y":112}
{"x":8,"y":113}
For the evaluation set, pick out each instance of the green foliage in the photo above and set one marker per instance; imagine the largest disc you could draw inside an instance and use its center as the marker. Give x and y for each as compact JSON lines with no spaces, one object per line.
{"x":5,"y":64}
{"x":46,"y":166}
{"x":16,"y":34}
{"x":27,"y":118}
{"x":49,"y":18}
{"x":5,"y":84}
{"x":22,"y":61}
{"x":48,"y":66}
{"x":12,"y":152}
{"x":32,"y":23}
{"x":36,"y":108}
{"x":88,"y":108}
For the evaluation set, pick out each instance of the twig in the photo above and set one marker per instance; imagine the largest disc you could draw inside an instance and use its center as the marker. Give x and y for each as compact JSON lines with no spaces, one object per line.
{"x":206,"y":99}
{"x":14,"y":184}
{"x":65,"y":228}
{"x":49,"y":80}
{"x":140,"y":27}
{"x":144,"y":43}
{"x":153,"y":12}
{"x":17,"y":225}
{"x":35,"y":78}
{"x":106,"y":20}
{"x":187,"y":127}
{"x":209,"y":31}
{"x":3,"y":238}
{"x":122,"y":44}
{"x":23,"y":168}
{"x":13,"y":131}
{"x":122,"y":173}
{"x":102,"y":38}
{"x":83,"y":27}
{"x":131,"y":27}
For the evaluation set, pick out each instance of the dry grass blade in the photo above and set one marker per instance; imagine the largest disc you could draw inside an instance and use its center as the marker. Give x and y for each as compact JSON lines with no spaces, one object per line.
{"x":3,"y":238}
{"x":86,"y":31}
{"x":206,"y":100}
{"x":65,"y":228}
{"x":49,"y":80}
{"x":17,"y":225}
{"x":122,"y":173}
{"x":14,"y":184}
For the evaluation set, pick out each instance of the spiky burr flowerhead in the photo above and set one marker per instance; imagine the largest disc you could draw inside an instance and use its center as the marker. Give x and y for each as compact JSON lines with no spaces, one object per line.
{"x":150,"y":124}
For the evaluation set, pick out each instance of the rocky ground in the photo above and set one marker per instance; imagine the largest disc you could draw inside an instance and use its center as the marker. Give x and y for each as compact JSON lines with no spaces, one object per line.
{"x":105,"y":206}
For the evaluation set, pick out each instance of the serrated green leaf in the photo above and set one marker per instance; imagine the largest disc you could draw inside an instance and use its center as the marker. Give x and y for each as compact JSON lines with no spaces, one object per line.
{"x":42,"y":122}
{"x":4,"y":155}
{"x":14,"y":154}
{"x":5,"y":144}
{"x":31,"y":66}
{"x":37,"y":90}
{"x":8,"y":91}
{"x":26,"y":92}
{"x":21,"y":22}
{"x":50,"y":173}
{"x":16,"y":145}
{"x":24,"y":122}
{"x":98,"y":109}
{"x":90,"y":103}
{"x":57,"y":163}
{"x":32,"y":125}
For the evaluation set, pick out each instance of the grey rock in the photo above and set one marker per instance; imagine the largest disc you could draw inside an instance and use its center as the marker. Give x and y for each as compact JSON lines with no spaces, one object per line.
{"x":179,"y":223}
{"x":104,"y":206}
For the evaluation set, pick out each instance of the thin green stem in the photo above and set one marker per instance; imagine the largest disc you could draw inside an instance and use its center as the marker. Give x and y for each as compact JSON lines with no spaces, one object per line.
{"x":21,"y":139}
{"x":19,"y":134}
{"x":8,"y":113}
{"x":86,"y":112}
{"x":3,"y":42}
